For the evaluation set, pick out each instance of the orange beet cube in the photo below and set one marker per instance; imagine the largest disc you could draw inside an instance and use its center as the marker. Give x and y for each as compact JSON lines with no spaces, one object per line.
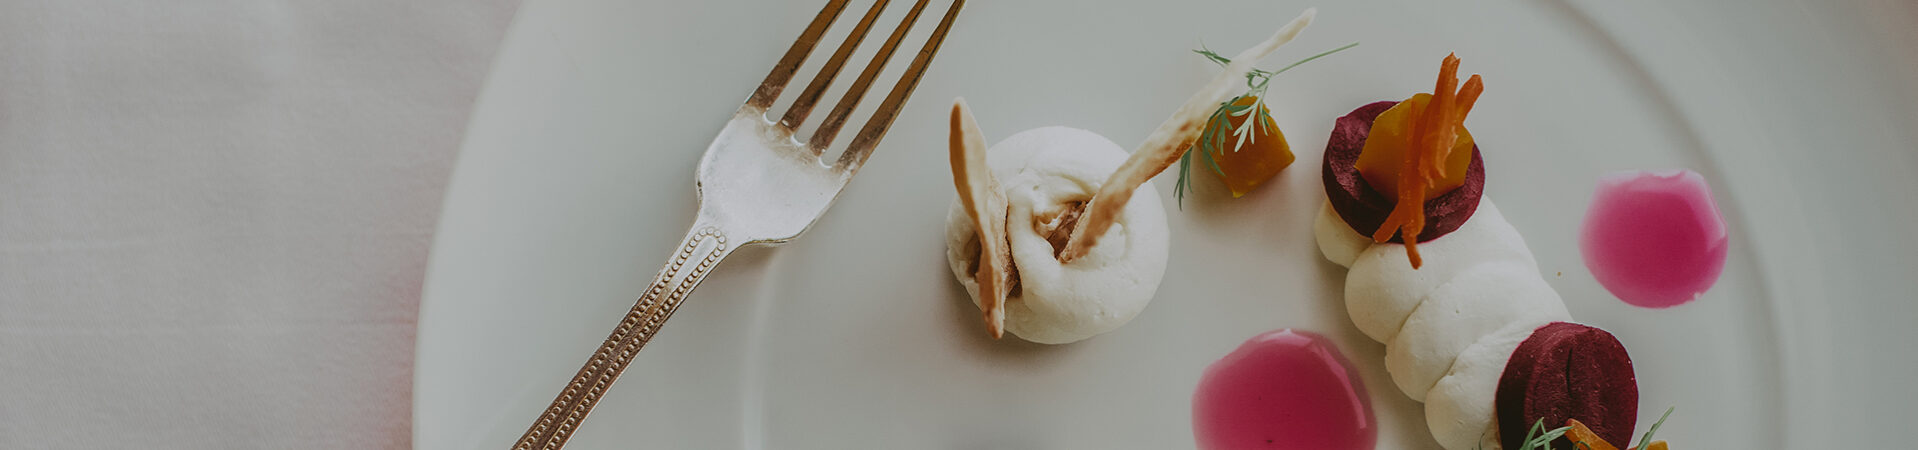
{"x":1264,"y":154}
{"x":1385,"y":149}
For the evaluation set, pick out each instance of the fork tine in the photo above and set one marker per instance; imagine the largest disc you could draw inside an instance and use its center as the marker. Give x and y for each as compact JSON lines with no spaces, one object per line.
{"x":783,"y":72}
{"x":802,"y":106}
{"x":862,"y":144}
{"x":837,"y":118}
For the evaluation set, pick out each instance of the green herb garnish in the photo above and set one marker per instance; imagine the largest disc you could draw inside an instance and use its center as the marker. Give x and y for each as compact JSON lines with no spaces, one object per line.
{"x":1534,"y":440}
{"x":1538,"y":438}
{"x":1647,"y":440}
{"x":1219,"y":127}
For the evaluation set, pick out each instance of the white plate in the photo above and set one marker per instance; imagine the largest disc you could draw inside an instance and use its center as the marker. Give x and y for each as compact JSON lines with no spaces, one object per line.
{"x":576,"y":179}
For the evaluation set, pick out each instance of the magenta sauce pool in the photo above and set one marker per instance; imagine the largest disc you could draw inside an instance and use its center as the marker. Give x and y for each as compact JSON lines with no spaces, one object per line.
{"x":1654,"y":238}
{"x":1283,"y":389}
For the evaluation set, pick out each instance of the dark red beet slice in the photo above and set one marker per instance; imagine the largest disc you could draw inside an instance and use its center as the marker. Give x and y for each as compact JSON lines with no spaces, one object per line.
{"x":1364,"y":208}
{"x":1568,"y":371}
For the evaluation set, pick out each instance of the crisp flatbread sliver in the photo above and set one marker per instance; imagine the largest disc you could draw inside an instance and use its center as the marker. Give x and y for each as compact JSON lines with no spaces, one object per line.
{"x":980,"y":196}
{"x":1162,"y":147}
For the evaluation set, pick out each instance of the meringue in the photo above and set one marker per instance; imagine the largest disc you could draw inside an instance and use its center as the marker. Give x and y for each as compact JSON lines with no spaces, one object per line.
{"x":1043,"y":172}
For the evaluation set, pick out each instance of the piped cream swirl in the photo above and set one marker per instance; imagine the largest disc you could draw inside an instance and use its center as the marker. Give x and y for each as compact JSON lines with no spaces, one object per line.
{"x":1450,"y":326}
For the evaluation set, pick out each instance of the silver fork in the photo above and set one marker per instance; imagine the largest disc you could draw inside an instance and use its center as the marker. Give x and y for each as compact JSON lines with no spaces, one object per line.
{"x":757,"y":184}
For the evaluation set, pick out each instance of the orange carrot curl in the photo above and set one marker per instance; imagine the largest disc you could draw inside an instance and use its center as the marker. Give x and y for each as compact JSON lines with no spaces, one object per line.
{"x":1434,"y":131}
{"x":1583,"y":438}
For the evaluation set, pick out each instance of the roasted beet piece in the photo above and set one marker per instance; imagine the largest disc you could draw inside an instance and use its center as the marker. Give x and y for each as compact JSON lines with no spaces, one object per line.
{"x":1364,"y":208}
{"x":1568,"y":371}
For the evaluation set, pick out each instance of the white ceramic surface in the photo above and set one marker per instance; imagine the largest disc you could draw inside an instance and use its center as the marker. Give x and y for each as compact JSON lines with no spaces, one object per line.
{"x":576,"y":180}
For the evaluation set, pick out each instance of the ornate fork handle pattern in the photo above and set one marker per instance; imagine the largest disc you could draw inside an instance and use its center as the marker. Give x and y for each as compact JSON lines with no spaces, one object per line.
{"x":756,"y":184}
{"x":652,"y":309}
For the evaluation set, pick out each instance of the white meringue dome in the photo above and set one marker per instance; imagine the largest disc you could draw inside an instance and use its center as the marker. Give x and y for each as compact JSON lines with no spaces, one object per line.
{"x":1043,"y":172}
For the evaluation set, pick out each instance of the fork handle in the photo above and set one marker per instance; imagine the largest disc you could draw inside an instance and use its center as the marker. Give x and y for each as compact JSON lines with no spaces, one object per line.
{"x":702,"y":249}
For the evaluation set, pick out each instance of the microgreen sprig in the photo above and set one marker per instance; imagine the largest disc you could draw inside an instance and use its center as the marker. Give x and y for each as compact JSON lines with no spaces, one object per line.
{"x":1219,"y":127}
{"x":1647,"y":440}
{"x":1539,"y":439}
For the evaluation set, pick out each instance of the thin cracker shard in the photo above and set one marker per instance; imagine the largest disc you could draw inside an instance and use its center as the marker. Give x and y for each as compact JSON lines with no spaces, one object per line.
{"x":980,"y":196}
{"x":1165,"y":145}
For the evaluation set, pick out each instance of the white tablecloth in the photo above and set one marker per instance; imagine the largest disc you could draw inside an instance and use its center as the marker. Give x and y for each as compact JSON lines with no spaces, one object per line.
{"x":215,"y":215}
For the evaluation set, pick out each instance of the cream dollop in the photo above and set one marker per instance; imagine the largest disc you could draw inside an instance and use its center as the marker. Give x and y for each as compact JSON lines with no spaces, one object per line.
{"x":1450,"y":326}
{"x":1460,"y":312}
{"x":1382,"y":289}
{"x":1459,"y":409}
{"x":1044,"y":172}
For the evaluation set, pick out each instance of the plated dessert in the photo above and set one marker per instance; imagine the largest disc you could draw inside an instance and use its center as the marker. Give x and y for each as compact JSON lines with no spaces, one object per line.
{"x":1051,"y":243}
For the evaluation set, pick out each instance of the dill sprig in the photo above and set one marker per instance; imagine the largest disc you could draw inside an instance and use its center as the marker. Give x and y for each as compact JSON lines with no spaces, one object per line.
{"x":1538,"y":438}
{"x":1647,"y":440}
{"x":1219,"y":127}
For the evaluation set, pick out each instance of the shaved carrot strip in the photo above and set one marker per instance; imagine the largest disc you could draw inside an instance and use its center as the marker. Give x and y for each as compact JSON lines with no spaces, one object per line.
{"x":1583,"y":438}
{"x":1434,"y":132}
{"x":1467,"y":96}
{"x":1408,"y":214}
{"x":1440,"y":132}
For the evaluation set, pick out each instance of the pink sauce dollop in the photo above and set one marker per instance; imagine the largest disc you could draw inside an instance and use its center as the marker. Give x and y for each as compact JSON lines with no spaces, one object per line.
{"x":1283,"y":389}
{"x":1654,"y":238}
